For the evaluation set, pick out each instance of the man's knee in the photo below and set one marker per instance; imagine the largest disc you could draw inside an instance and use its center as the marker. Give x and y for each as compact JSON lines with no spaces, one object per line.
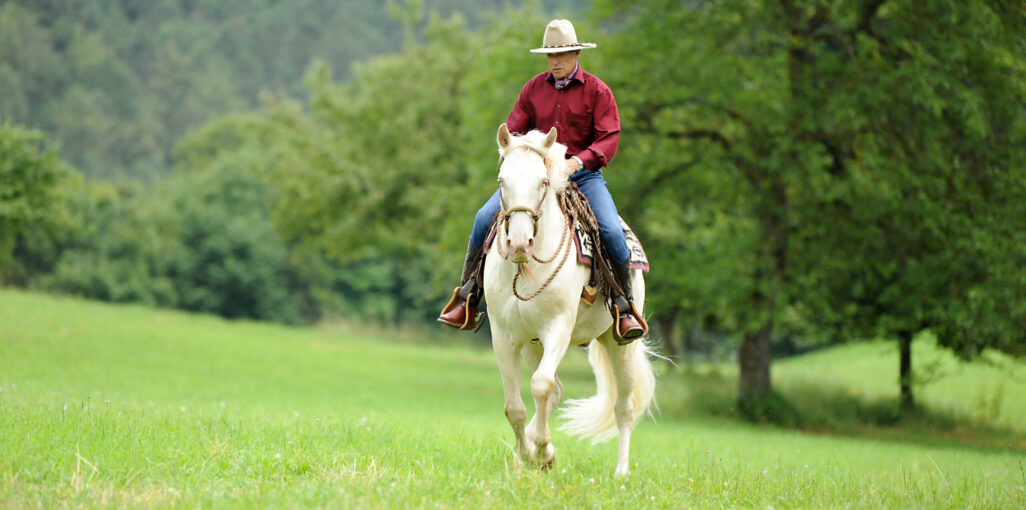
{"x":616,"y":246}
{"x":483,"y":217}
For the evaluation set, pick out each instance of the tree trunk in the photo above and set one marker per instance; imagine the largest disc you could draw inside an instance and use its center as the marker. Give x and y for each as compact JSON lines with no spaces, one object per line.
{"x":754,"y":362}
{"x":905,"y":369}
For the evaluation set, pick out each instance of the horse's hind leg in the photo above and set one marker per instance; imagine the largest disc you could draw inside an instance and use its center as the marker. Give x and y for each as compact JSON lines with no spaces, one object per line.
{"x":547,"y":390}
{"x":508,"y":357}
{"x":620,"y":357}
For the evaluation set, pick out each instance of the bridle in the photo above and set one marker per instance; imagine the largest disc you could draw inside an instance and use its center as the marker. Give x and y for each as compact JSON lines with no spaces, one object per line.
{"x":563,"y":241}
{"x":535,"y":215}
{"x":536,"y":212}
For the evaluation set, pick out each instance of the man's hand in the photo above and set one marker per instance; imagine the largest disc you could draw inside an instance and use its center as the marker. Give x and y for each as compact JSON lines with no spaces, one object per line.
{"x":572,"y":165}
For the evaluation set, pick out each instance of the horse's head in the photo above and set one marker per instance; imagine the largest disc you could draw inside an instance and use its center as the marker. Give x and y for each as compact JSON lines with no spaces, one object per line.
{"x":532,"y":167}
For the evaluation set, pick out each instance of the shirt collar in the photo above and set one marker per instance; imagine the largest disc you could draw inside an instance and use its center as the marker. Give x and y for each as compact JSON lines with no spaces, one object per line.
{"x":565,"y":82}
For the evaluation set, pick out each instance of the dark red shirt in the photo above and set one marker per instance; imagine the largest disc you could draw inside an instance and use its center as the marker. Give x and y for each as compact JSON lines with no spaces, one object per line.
{"x":584,"y":114}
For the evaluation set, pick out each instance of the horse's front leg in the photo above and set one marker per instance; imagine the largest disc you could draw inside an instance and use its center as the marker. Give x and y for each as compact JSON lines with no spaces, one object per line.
{"x":547,"y":390}
{"x":507,"y":354}
{"x":533,"y":355}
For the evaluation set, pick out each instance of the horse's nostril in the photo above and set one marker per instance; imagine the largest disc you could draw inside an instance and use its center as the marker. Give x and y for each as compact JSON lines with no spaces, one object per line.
{"x":530,"y":244}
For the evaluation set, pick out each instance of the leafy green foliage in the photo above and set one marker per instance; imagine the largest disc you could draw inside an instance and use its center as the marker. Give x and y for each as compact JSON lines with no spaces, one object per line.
{"x":30,"y":182}
{"x":859,"y":159}
{"x":230,"y":260}
{"x":117,"y":249}
{"x":826,"y":170}
{"x":119,"y":82}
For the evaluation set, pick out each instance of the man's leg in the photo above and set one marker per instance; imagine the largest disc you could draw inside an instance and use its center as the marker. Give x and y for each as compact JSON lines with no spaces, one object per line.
{"x":629,"y":325}
{"x":461,"y":311}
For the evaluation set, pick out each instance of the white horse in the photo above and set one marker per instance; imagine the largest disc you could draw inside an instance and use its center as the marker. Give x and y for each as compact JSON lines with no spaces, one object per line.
{"x":536,"y":310}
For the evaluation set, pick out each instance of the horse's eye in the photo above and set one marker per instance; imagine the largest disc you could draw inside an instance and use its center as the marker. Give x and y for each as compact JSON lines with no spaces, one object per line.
{"x":545,"y":182}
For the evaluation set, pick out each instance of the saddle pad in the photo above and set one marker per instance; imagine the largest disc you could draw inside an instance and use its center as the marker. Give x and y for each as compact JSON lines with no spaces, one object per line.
{"x":585,"y":247}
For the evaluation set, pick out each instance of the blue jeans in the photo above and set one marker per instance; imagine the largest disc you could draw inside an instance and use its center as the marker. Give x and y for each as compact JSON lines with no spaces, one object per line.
{"x":593,"y":185}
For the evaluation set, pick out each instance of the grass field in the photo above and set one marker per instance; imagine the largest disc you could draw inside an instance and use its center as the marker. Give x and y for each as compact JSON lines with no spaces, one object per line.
{"x":105,"y":405}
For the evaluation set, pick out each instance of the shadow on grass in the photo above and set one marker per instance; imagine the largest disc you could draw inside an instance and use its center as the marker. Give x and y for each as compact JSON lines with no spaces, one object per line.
{"x":817,"y":409}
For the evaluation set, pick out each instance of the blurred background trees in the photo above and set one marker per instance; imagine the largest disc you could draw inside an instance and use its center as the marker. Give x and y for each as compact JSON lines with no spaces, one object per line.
{"x":801,"y":172}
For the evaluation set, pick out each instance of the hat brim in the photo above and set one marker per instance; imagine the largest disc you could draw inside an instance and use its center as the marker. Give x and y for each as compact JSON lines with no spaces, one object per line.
{"x":564,"y":49}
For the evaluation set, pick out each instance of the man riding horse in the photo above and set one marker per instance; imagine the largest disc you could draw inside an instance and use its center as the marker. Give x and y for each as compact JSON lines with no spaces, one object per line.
{"x":583,"y":110}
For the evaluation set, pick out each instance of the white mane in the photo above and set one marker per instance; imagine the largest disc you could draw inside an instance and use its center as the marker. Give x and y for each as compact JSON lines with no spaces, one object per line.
{"x":553,"y":156}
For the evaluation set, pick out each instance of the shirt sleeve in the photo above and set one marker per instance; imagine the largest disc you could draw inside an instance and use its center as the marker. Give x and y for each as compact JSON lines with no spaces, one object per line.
{"x":607,"y":132}
{"x":521,"y":119}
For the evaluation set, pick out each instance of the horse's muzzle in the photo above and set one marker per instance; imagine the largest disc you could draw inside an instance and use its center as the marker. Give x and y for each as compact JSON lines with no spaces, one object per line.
{"x":520,"y":250}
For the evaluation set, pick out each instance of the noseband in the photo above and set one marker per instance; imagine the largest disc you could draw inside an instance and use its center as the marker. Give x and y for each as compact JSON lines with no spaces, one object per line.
{"x":535,"y":213}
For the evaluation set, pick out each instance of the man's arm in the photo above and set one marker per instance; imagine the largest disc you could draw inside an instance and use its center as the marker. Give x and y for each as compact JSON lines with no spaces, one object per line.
{"x":521,"y":119}
{"x":607,"y":132}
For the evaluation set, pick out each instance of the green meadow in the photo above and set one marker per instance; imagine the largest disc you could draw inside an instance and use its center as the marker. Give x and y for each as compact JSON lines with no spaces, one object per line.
{"x":127,"y":406}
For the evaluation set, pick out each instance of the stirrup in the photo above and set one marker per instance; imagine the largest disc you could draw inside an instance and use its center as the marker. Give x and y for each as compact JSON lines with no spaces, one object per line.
{"x":633,"y":312}
{"x":471,"y":318}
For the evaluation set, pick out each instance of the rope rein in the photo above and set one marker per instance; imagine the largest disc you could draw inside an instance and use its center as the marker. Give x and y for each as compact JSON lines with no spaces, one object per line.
{"x":575,"y":207}
{"x":566,"y":255}
{"x":555,"y":253}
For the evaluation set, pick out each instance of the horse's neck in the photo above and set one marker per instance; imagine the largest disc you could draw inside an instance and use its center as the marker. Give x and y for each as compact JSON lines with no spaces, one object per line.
{"x":551,"y":224}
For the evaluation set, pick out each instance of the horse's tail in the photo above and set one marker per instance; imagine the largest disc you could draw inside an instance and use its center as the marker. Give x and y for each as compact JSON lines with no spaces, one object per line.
{"x":595,"y":417}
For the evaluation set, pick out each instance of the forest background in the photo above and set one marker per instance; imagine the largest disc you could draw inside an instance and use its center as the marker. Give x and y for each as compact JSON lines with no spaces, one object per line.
{"x":801,"y":172}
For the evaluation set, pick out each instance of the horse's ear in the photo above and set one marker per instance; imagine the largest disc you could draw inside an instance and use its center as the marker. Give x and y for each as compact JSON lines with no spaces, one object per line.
{"x":503,"y":136}
{"x":550,"y":138}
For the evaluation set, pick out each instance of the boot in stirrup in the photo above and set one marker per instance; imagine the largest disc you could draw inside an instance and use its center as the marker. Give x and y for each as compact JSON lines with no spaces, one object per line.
{"x":461,"y":311}
{"x":628,"y":324}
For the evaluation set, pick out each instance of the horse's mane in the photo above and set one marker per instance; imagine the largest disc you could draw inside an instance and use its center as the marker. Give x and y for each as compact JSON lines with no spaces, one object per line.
{"x":553,"y":156}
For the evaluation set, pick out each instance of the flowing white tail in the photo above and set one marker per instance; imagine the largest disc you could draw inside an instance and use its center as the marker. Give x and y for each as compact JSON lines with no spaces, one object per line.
{"x":595,"y":417}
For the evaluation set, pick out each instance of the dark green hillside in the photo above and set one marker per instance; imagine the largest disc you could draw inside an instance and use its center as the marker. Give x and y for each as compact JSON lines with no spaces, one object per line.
{"x":117,"y":83}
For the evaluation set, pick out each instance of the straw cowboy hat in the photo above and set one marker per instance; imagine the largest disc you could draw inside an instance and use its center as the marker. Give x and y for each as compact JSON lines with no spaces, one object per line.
{"x":559,"y":37}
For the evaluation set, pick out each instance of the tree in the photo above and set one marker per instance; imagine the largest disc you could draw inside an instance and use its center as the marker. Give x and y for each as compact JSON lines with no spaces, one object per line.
{"x":826,"y":130}
{"x":116,"y":246}
{"x":720,"y":121}
{"x":922,"y":221}
{"x":30,"y":178}
{"x":371,"y":171}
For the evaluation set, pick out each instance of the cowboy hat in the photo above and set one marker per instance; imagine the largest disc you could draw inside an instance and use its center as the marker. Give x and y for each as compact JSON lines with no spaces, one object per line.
{"x":559,"y":37}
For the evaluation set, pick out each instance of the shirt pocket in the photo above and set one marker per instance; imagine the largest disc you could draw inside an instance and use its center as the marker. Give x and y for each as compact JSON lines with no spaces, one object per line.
{"x":581,"y":120}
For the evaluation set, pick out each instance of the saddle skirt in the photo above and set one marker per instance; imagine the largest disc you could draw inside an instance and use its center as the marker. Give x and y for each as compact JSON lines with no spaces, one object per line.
{"x":586,"y":246}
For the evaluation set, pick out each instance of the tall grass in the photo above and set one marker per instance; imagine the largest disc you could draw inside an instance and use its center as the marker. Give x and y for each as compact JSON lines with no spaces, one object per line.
{"x":106,"y":405}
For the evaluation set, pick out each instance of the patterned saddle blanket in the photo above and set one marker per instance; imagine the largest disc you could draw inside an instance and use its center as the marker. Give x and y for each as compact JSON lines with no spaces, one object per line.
{"x":586,"y":247}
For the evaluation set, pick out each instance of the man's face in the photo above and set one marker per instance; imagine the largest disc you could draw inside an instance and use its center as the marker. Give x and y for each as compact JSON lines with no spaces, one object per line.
{"x":562,"y":64}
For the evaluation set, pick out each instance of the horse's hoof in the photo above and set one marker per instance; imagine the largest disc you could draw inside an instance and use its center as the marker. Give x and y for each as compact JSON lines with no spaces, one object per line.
{"x":545,"y":457}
